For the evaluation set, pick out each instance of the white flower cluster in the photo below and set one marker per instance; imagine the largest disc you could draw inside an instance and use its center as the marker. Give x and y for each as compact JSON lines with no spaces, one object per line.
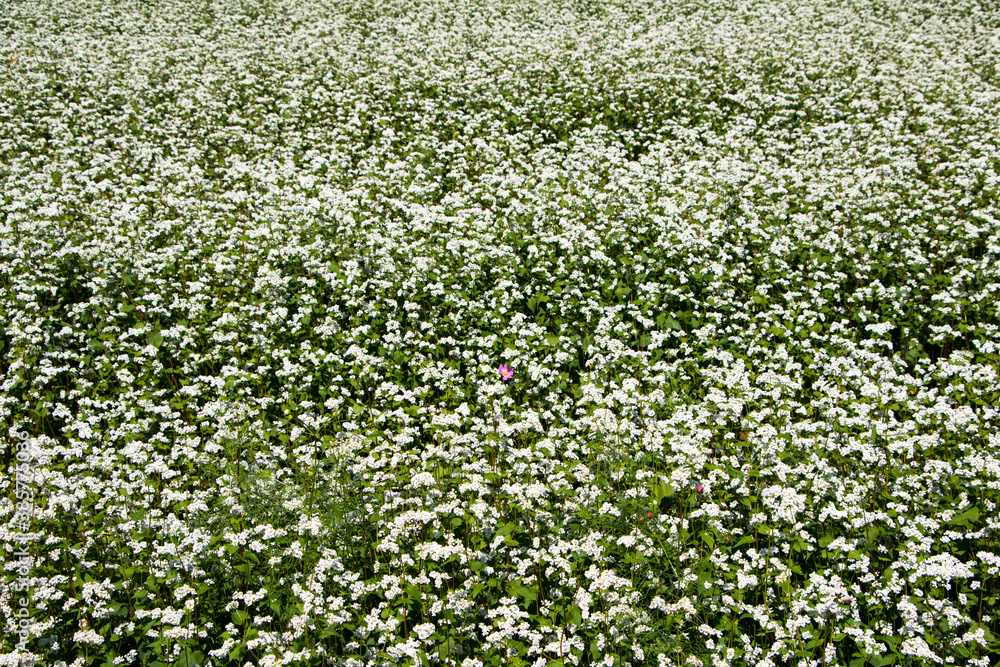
{"x":262,"y":262}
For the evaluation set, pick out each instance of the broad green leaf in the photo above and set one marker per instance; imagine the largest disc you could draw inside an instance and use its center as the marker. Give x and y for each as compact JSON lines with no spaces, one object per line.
{"x":662,"y":490}
{"x":189,"y":658}
{"x":506,"y":529}
{"x":154,"y":337}
{"x":965,"y":518}
{"x":523,"y":591}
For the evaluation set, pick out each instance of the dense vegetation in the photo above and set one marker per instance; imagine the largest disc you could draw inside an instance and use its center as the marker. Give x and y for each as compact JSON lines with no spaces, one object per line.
{"x":261,"y":264}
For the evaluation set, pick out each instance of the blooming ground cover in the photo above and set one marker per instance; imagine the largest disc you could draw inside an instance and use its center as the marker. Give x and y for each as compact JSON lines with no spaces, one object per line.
{"x":500,"y":332}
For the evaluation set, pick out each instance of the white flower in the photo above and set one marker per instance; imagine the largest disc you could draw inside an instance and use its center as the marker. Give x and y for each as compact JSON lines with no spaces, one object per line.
{"x":422,"y":479}
{"x":916,"y":647}
{"x":87,"y":636}
{"x":424,"y":630}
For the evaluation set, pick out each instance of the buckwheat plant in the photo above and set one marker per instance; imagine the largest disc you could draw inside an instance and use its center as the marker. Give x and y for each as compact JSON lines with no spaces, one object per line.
{"x":267,"y":268}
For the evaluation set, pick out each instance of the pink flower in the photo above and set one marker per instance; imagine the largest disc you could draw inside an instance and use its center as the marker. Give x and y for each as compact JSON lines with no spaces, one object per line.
{"x":506,"y":372}
{"x":649,"y":515}
{"x":700,"y":488}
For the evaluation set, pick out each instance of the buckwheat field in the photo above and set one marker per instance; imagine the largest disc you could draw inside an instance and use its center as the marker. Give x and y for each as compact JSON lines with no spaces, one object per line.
{"x":499,"y":333}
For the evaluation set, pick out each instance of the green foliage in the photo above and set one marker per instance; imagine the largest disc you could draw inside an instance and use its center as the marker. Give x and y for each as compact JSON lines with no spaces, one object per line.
{"x":253,"y":307}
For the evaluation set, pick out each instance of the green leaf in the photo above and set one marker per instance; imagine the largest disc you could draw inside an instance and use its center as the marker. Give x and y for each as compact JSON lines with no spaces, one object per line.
{"x":413,"y":593}
{"x":635,"y":557}
{"x":154,"y":337}
{"x":506,"y":529}
{"x":189,"y":658}
{"x":661,"y":491}
{"x":523,"y":591}
{"x":239,"y":617}
{"x":965,"y":518}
